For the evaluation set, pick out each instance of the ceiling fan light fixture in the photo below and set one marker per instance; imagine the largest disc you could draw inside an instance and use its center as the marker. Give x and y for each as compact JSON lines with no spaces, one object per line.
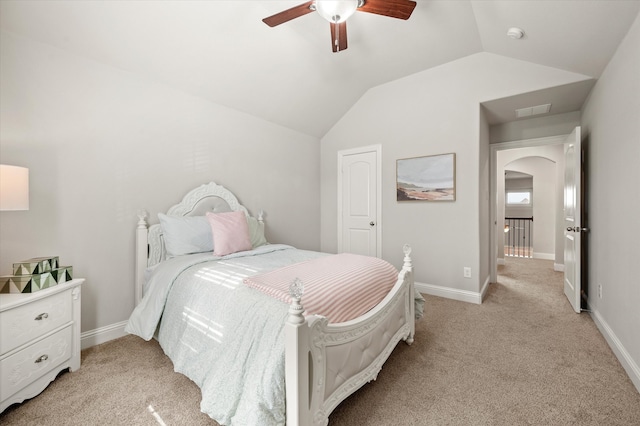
{"x":336,"y":11}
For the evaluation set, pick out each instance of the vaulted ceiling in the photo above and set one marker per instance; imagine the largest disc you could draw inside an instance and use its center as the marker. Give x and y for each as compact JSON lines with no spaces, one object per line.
{"x":222,"y":51}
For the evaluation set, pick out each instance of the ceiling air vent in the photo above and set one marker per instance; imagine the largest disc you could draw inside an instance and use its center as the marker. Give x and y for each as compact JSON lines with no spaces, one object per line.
{"x":534,"y":110}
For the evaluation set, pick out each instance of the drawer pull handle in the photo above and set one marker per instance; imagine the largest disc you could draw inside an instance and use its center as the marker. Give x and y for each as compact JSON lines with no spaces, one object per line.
{"x":42,"y":358}
{"x":42,"y":316}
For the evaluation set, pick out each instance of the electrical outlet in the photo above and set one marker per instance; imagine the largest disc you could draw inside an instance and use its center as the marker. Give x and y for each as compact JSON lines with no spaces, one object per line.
{"x":467,"y":272}
{"x":599,"y":291}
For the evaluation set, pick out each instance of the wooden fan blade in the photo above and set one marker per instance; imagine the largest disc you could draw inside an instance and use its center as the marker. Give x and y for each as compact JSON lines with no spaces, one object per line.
{"x":338,"y":36}
{"x":400,"y":9}
{"x":289,"y":14}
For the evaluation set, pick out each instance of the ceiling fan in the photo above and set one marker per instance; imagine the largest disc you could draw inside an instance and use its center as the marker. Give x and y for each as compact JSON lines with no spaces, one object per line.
{"x":337,"y":12}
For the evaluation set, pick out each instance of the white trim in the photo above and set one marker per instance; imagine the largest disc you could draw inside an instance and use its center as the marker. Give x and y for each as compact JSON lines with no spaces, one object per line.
{"x":362,"y":150}
{"x":527,"y":143}
{"x":484,"y":289}
{"x":493,"y":158}
{"x":619,"y":350}
{"x":451,"y":293}
{"x":558,"y":267}
{"x":102,"y":335}
{"x":544,"y":256}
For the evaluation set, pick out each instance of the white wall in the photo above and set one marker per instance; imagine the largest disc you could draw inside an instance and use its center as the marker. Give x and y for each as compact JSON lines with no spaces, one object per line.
{"x":611,"y":128}
{"x":101,"y":143}
{"x":433,"y":112}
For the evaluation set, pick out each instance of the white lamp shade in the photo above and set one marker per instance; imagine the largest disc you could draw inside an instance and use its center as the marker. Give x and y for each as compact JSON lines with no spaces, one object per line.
{"x":336,"y":11}
{"x":14,"y":188}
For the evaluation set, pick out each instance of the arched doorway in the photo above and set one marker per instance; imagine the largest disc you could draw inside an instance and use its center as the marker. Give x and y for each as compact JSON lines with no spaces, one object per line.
{"x":548,"y":151}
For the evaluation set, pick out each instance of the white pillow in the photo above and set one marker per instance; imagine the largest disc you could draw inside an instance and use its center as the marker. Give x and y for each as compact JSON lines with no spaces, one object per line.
{"x":256,"y":232}
{"x":186,"y":234}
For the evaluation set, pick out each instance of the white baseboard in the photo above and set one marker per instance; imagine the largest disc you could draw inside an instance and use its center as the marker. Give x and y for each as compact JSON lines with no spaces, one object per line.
{"x":500,"y":261}
{"x":544,"y":256}
{"x":102,"y":335}
{"x":452,"y":293}
{"x":559,"y":267}
{"x":619,"y":350}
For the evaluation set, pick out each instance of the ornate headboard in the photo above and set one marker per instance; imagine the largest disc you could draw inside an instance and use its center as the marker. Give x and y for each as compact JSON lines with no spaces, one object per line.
{"x":150,"y":248}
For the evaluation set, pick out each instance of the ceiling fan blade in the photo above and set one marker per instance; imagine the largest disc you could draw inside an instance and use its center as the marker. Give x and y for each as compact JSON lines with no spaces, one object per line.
{"x":400,"y":9}
{"x":338,"y":36}
{"x":289,"y":14}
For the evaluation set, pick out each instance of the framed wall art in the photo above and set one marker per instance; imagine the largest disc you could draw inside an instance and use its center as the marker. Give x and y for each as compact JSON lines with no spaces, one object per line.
{"x":429,"y":178}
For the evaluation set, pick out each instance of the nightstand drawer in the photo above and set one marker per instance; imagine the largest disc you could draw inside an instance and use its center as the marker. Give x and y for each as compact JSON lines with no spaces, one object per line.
{"x":23,"y":323}
{"x":31,"y":363}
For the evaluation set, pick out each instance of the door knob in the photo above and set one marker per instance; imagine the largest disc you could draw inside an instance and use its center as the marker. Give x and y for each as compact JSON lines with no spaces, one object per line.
{"x":577,"y":229}
{"x":372,"y":224}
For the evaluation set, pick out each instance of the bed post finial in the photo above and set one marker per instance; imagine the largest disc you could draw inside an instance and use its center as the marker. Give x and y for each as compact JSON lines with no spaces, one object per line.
{"x":407,"y":255}
{"x":142,"y":218}
{"x":296,"y":289}
{"x":261,"y":216}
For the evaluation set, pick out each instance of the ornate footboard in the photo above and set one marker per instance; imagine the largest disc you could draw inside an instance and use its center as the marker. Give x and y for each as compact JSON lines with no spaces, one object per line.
{"x":325,"y":363}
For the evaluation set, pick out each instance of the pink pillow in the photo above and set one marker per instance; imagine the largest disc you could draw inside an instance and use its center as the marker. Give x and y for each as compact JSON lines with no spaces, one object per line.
{"x":230,"y":232}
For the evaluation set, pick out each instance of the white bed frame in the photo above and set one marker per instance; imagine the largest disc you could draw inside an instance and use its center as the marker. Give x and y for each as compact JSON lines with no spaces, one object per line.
{"x":324,"y":363}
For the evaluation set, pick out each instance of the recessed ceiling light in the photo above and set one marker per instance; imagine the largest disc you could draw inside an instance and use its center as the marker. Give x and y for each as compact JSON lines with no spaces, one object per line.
{"x":515,"y":33}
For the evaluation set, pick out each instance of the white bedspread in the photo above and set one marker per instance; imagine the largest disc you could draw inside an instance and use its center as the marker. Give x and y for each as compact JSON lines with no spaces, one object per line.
{"x":221,"y":334}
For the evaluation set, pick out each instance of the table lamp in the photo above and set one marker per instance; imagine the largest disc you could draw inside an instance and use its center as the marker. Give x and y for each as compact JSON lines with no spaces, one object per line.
{"x":14,"y":188}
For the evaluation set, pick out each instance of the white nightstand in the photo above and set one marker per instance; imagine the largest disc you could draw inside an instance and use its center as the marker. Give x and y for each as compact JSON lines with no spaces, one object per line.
{"x":39,"y":337}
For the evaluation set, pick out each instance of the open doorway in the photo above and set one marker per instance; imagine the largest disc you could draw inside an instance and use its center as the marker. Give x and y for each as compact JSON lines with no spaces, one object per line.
{"x":534,"y":167}
{"x":562,"y":128}
{"x":532,"y":197}
{"x":564,"y":210}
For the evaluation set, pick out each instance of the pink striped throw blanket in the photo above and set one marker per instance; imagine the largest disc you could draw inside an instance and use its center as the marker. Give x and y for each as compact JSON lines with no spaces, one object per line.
{"x":340,"y":287}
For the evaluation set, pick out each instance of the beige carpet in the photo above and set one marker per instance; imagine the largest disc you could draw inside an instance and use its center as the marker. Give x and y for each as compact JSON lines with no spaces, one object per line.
{"x":521,"y":358}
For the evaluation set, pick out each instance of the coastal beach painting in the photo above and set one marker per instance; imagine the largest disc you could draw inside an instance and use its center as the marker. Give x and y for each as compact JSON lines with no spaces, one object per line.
{"x":429,"y":178}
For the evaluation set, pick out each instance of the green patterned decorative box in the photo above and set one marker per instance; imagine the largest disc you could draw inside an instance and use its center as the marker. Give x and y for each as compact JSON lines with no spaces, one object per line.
{"x":62,"y":274}
{"x":37,"y":265}
{"x":35,"y":274}
{"x":26,"y":283}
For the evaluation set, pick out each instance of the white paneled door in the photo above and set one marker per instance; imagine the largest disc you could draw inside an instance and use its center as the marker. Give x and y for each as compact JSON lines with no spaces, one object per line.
{"x":359,"y":201}
{"x":573,"y":227}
